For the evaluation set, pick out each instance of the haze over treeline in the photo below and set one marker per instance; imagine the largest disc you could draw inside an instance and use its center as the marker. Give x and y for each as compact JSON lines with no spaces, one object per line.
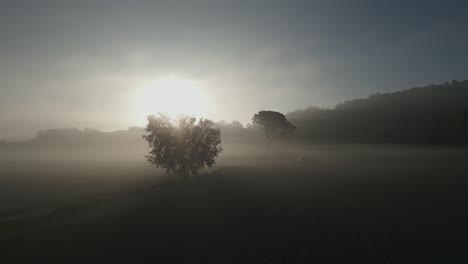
{"x":434,"y":114}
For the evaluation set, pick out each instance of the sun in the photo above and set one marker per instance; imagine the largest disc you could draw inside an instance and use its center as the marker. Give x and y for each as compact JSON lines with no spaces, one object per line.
{"x":172,"y":96}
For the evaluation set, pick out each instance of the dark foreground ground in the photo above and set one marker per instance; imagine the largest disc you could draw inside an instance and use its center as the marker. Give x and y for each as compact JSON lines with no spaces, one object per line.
{"x":340,"y":205}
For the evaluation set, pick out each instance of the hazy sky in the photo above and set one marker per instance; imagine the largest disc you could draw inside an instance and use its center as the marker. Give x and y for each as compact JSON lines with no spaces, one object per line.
{"x":82,"y":63}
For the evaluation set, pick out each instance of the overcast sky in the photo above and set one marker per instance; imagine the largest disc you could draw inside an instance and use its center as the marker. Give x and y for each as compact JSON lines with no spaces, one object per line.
{"x":80,"y":63}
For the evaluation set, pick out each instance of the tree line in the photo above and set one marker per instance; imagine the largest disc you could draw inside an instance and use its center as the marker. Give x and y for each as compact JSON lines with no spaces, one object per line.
{"x":434,"y":114}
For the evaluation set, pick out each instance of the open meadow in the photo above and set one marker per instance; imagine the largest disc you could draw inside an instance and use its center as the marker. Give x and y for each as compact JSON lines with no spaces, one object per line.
{"x":325,"y":203}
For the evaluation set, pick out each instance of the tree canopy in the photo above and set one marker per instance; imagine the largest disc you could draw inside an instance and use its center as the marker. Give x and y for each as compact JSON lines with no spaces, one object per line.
{"x":273,"y":124}
{"x":184,"y":146}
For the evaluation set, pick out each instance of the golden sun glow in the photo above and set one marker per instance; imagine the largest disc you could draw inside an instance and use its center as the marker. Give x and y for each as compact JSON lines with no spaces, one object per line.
{"x":172,"y":96}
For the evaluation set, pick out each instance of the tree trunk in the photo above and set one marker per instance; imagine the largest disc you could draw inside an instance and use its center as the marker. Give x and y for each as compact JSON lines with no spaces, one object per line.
{"x":269,"y":139}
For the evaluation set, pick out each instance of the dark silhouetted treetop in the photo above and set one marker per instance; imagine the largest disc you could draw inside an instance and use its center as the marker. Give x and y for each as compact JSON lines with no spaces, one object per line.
{"x":273,"y":124}
{"x":183,"y":146}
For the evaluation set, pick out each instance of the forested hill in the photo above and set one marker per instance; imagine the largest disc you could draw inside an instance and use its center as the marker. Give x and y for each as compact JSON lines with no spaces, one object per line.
{"x":435,"y":114}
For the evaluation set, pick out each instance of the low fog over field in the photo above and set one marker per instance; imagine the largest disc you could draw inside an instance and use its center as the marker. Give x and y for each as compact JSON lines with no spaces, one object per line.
{"x":328,"y":203}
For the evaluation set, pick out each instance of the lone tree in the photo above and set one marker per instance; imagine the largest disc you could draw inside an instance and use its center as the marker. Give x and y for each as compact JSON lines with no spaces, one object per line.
{"x":182,"y":147}
{"x":274,"y":124}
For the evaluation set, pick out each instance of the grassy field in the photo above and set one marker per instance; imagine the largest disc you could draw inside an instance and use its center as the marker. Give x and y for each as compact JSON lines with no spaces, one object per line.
{"x":322,"y":204}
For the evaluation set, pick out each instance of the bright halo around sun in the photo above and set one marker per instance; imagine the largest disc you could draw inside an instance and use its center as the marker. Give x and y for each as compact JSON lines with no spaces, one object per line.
{"x":172,"y":96}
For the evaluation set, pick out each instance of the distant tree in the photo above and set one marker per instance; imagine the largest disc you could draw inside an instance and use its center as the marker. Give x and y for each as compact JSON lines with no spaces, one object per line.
{"x":222,"y":123}
{"x":273,"y":124}
{"x":236,"y":124}
{"x":182,"y":147}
